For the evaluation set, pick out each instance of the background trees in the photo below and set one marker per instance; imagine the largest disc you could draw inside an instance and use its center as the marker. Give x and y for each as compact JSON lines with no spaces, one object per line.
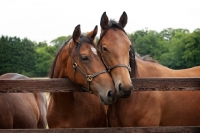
{"x":25,"y":57}
{"x":174,"y":48}
{"x":45,"y":55}
{"x":16,"y":55}
{"x":58,"y":42}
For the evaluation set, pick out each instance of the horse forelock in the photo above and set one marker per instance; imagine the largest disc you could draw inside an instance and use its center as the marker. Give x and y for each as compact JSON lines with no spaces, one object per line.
{"x":84,"y":39}
{"x":111,"y":24}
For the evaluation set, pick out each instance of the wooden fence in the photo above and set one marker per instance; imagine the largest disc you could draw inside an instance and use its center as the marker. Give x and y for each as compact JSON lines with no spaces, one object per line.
{"x":65,"y":85}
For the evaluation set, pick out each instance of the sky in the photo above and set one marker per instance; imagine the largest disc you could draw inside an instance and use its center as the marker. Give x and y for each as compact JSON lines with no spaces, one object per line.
{"x":45,"y":20}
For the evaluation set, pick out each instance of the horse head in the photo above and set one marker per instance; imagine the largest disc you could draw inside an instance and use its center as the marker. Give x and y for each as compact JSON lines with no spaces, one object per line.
{"x":79,"y":61}
{"x":114,"y":46}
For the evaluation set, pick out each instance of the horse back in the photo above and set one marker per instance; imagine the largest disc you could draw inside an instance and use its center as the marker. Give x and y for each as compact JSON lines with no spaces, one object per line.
{"x":22,"y":110}
{"x":148,"y":69}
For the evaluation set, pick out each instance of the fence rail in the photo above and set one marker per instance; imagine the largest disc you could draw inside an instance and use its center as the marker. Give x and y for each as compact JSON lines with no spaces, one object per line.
{"x":108,"y":130}
{"x":65,"y":85}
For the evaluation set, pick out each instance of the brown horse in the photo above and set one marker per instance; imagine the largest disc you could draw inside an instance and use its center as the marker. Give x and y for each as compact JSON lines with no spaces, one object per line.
{"x":150,"y":108}
{"x":79,"y":61}
{"x":117,"y":63}
{"x":22,"y":110}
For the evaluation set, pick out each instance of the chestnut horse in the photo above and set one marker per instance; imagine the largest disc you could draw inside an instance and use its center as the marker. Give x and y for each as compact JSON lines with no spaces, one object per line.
{"x":22,"y":110}
{"x":149,"y":108}
{"x":79,"y":61}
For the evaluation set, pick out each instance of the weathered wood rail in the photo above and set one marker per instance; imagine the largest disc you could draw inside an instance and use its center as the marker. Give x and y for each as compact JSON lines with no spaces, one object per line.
{"x":65,"y":85}
{"x":109,"y":130}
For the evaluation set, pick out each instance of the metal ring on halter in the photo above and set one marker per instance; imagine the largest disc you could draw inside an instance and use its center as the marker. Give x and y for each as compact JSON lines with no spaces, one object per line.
{"x":89,"y":78}
{"x":129,"y":68}
{"x":74,"y":65}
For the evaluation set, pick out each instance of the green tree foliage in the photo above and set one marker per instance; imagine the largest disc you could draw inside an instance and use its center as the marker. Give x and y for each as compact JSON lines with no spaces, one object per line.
{"x":149,"y":43}
{"x":174,"y":48}
{"x":44,"y":60}
{"x":191,"y":54}
{"x":25,"y":57}
{"x":59,"y":41}
{"x":16,"y":55}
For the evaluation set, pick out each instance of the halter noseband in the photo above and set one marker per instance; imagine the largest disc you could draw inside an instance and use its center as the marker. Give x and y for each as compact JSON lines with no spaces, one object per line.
{"x":88,"y":77}
{"x":109,"y":68}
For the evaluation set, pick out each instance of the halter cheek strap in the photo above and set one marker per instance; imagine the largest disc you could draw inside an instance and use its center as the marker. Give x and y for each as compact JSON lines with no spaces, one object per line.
{"x":109,"y":68}
{"x":88,"y":77}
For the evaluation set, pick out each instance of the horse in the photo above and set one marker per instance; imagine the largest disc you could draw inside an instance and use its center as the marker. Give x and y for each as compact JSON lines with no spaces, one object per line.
{"x":22,"y":110}
{"x":149,"y":108}
{"x":79,"y":61}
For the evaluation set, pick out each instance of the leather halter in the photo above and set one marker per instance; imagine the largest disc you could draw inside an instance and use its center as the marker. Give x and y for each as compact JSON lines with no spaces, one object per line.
{"x":87,"y":76}
{"x":109,"y":68}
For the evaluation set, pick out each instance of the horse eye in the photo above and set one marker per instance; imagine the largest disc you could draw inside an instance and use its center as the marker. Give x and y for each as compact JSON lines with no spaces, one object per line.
{"x":105,"y":49}
{"x":84,"y":57}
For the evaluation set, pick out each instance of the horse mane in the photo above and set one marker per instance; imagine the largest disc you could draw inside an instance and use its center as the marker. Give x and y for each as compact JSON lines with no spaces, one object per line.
{"x":132,"y":62}
{"x":51,"y":72}
{"x":146,"y":58}
{"x":77,"y":48}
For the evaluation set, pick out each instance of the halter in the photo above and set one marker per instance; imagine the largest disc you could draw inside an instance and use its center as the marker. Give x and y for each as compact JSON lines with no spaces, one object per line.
{"x":88,"y":77}
{"x":110,"y":68}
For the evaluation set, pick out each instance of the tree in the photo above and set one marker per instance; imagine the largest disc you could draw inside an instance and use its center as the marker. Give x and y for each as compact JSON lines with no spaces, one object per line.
{"x":59,"y":41}
{"x":191,"y":55}
{"x":173,"y":58}
{"x":45,"y":57}
{"x":148,"y":43}
{"x":16,"y":55}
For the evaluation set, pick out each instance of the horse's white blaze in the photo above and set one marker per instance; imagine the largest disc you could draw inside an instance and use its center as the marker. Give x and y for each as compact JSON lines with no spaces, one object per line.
{"x":94,"y":50}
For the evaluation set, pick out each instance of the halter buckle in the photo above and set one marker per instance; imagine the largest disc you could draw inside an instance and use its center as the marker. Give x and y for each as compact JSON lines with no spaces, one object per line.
{"x":108,"y":69}
{"x":74,"y":65}
{"x":129,"y":69}
{"x":89,"y":78}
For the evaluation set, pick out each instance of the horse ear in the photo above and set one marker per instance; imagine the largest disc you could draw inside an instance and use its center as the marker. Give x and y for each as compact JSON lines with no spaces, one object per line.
{"x":123,"y":19}
{"x":104,"y":21}
{"x":76,"y":33}
{"x":93,"y":33}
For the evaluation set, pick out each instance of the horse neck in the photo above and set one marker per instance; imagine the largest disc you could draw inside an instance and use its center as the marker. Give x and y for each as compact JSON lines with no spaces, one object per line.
{"x":63,"y":63}
{"x":148,"y":69}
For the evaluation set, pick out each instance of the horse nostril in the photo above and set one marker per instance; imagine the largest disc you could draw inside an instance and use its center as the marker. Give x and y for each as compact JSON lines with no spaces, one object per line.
{"x":110,"y":95}
{"x":131,"y":87}
{"x":120,"y":89}
{"x":123,"y":92}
